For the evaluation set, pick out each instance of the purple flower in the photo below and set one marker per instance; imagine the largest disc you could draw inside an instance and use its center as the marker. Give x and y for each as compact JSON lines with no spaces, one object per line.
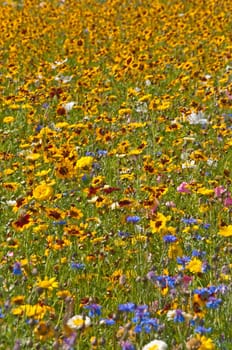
{"x":69,"y":342}
{"x":126,"y":345}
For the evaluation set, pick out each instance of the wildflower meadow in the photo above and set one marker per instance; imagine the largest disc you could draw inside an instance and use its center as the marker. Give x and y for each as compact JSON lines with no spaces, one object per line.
{"x":116,"y":174}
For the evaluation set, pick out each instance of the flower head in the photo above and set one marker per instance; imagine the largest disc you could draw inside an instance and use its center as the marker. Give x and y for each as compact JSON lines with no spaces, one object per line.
{"x":79,"y":322}
{"x":156,"y":345}
{"x":43,"y":192}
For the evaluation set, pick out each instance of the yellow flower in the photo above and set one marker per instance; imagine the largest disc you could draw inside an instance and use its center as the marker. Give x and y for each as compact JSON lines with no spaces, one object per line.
{"x":8,"y":120}
{"x":226,"y":231}
{"x":49,"y":284}
{"x":44,"y":330}
{"x":43,"y":192}
{"x":31,"y":311}
{"x":194,"y":266}
{"x":200,"y":343}
{"x":159,"y":224}
{"x":84,"y":162}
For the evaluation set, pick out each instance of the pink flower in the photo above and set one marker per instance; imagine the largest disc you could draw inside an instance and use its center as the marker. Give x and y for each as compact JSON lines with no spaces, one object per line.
{"x":219,"y":191}
{"x":228,"y":201}
{"x":183,"y":188}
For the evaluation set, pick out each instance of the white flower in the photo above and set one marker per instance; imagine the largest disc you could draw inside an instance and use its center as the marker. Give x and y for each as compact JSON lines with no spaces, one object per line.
{"x":11,"y":203}
{"x":58,"y":63}
{"x":64,"y":79}
{"x":197,"y":118}
{"x":188,"y":164}
{"x":79,"y":322}
{"x":69,"y":106}
{"x":156,"y":345}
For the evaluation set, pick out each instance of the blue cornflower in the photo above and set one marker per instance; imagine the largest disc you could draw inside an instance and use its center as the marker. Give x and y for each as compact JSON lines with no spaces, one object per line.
{"x":179,"y":317}
{"x":213,"y":303}
{"x":198,"y":253}
{"x":169,"y":238}
{"x":107,"y":321}
{"x":133,"y":219}
{"x":189,"y":221}
{"x":94,"y":309}
{"x":141,"y":312}
{"x":128,"y":307}
{"x":61,"y":222}
{"x":38,"y":128}
{"x":102,"y":152}
{"x":17,"y":269}
{"x":77,"y":266}
{"x":202,"y":330}
{"x":206,"y":226}
{"x":166,"y":281}
{"x":138,"y":328}
{"x":183,"y":260}
{"x":147,"y":324}
{"x":1,"y":314}
{"x":205,"y":266}
{"x":123,"y":234}
{"x":91,"y":154}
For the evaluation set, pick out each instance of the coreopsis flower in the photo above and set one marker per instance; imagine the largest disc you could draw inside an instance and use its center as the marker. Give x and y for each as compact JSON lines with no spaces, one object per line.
{"x":84,"y":163}
{"x":44,"y":330}
{"x":156,"y":345}
{"x":79,"y":322}
{"x":43,"y":192}
{"x":200,"y":343}
{"x":194,"y":266}
{"x":23,"y":222}
{"x":225,"y":231}
{"x":158,"y":224}
{"x":47,"y":283}
{"x":36,"y":311}
{"x":8,"y":119}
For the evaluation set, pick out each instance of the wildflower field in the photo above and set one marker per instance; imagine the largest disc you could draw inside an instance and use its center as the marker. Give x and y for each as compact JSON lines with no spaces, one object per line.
{"x":116,"y":172}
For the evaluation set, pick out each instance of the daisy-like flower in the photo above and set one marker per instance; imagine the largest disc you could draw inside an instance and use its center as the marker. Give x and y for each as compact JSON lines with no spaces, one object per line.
{"x":156,"y":345}
{"x":48,"y":284}
{"x":79,"y":322}
{"x":194,"y":266}
{"x":84,"y":162}
{"x":43,"y":192}
{"x":226,"y":231}
{"x":197,"y":118}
